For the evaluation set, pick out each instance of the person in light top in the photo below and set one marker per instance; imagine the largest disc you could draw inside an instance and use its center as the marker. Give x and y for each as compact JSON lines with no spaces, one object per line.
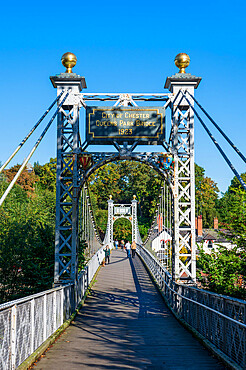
{"x":128,"y":249}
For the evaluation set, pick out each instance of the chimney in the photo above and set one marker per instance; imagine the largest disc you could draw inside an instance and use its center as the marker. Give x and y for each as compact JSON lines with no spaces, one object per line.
{"x":199,"y":225}
{"x":216,"y":223}
{"x":160,"y":223}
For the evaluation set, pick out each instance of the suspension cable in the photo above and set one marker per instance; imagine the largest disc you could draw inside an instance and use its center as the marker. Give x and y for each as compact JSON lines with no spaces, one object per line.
{"x":32,"y":151}
{"x":219,"y":129}
{"x":171,"y":132}
{"x":94,"y":224}
{"x":217,"y":145}
{"x":30,"y":133}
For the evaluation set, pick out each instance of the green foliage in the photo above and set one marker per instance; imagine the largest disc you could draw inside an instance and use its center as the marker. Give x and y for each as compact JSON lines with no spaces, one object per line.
{"x":206,"y":197}
{"x":81,"y":254}
{"x":46,"y":174}
{"x":122,"y":180}
{"x":122,"y":229}
{"x":225,"y":270}
{"x":232,"y":210}
{"x":27,"y":242}
{"x":27,"y":223}
{"x":222,"y":272}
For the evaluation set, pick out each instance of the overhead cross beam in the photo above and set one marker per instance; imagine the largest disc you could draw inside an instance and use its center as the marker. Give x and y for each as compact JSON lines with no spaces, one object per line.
{"x":127,"y":211}
{"x":71,"y":175}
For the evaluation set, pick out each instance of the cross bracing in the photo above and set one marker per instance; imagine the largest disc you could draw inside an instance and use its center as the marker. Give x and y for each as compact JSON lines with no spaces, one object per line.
{"x":127,"y":211}
{"x":216,"y":318}
{"x":71,"y":176}
{"x":178,"y":177}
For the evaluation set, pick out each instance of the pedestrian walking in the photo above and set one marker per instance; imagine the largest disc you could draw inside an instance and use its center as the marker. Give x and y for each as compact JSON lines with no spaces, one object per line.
{"x":116,"y":243}
{"x":107,"y":254}
{"x":122,"y":244}
{"x":134,"y":247}
{"x":128,"y":249}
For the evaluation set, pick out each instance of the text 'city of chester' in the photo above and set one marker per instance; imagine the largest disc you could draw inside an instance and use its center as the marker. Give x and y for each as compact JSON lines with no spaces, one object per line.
{"x":105,"y":124}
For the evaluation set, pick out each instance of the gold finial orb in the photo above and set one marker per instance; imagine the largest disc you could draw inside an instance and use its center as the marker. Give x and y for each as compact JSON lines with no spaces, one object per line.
{"x":134,"y":197}
{"x":110,"y":197}
{"x":182,"y":61}
{"x":69,"y":60}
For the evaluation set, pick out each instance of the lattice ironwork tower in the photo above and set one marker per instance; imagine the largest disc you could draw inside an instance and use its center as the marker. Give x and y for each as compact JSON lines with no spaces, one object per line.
{"x":134,"y":219}
{"x":108,"y":240}
{"x":112,"y":217}
{"x":70,"y":176}
{"x":182,"y":140}
{"x":67,"y":181}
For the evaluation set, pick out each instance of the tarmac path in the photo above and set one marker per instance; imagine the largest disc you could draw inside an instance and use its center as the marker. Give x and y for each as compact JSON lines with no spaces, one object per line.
{"x":125,"y":324}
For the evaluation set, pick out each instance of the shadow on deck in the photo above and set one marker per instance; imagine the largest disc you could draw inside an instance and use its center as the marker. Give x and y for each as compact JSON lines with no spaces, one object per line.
{"x":125,"y":324}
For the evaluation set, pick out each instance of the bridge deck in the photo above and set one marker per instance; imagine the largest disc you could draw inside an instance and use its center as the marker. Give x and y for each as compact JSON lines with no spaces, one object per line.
{"x":126,"y":325}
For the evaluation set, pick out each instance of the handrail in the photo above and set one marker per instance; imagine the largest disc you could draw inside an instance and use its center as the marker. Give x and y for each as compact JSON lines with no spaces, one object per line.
{"x":9,"y":304}
{"x":38,"y":316}
{"x":211,"y":319}
{"x":200,"y":304}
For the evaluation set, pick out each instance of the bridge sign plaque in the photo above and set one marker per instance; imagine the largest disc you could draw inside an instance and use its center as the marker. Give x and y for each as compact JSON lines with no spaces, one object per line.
{"x":120,"y":210}
{"x":106,"y":124}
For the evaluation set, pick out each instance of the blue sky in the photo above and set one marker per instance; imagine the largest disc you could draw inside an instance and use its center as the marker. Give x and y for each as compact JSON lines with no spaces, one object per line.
{"x":124,"y":47}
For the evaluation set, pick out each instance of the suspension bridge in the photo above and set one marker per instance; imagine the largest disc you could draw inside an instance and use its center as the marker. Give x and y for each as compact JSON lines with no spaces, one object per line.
{"x":131,"y":317}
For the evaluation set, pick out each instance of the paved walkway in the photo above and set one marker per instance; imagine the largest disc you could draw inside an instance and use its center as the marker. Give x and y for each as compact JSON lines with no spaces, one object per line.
{"x":126,"y":325}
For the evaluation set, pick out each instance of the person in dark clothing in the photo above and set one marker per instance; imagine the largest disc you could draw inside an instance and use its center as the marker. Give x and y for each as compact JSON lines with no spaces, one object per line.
{"x":107,"y":254}
{"x":133,"y":247}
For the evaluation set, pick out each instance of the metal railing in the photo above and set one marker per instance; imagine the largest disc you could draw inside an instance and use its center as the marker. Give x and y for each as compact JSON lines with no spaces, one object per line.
{"x":221,"y":320}
{"x":27,"y":322}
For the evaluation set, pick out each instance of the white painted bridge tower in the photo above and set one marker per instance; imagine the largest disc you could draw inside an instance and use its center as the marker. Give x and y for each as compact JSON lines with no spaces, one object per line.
{"x":182,"y":140}
{"x":127,"y":211}
{"x":75,"y":163}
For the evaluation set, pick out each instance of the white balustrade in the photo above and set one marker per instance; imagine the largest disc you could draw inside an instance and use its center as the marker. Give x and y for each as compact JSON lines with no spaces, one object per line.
{"x":219,"y":319}
{"x":27,"y":322}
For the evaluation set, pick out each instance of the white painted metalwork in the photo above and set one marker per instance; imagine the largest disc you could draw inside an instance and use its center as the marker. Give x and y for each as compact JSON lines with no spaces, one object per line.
{"x":159,"y":240}
{"x":70,"y":178}
{"x":108,"y":239}
{"x":23,"y":166}
{"x":87,"y":229}
{"x":127,"y":211}
{"x":29,"y":134}
{"x":182,"y":147}
{"x":27,"y":322}
{"x":67,"y":182}
{"x":221,"y":320}
{"x":135,"y":221}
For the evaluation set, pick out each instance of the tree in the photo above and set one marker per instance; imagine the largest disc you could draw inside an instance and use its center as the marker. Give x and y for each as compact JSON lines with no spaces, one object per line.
{"x":122,"y":180}
{"x":27,"y":180}
{"x":103,"y":183}
{"x":46,"y":174}
{"x":206,"y":193}
{"x":122,"y":229}
{"x":232,"y":210}
{"x":223,"y":271}
{"x":27,"y":226}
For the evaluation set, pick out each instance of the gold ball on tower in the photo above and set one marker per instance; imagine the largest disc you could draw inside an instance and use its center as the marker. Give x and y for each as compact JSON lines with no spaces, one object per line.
{"x":182,"y":61}
{"x":69,"y":60}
